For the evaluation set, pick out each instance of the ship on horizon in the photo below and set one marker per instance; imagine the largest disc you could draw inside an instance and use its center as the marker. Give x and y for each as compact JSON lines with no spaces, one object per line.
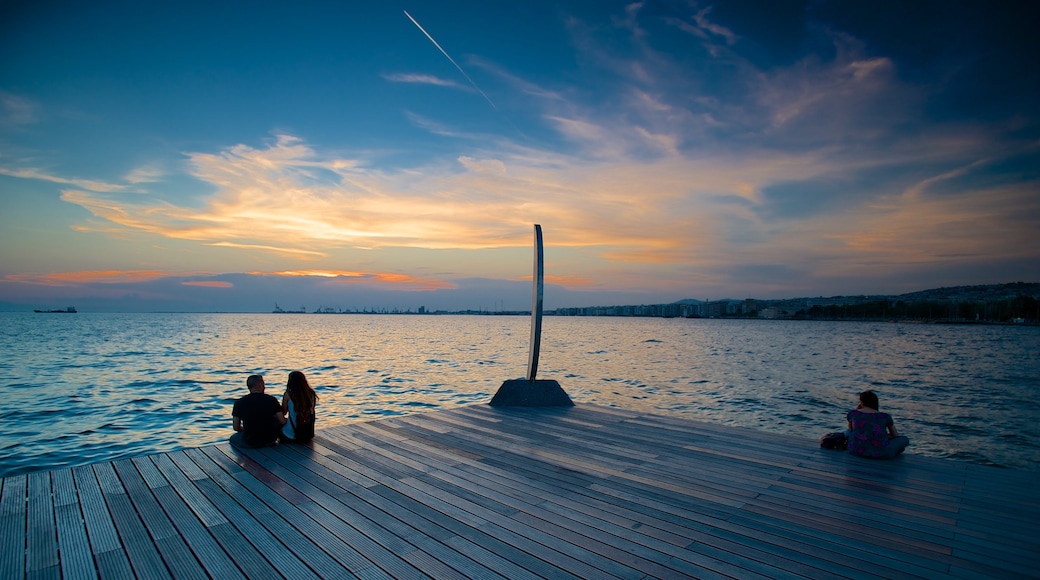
{"x":66,"y":310}
{"x":280,"y":310}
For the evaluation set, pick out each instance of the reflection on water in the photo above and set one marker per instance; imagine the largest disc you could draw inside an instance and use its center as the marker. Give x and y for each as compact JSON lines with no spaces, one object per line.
{"x":100,"y":386}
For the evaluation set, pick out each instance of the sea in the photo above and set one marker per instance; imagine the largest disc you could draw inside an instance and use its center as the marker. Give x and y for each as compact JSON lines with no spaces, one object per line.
{"x":89,"y":387}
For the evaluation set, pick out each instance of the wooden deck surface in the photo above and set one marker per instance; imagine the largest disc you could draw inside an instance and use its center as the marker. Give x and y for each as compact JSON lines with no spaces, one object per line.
{"x":482,"y":492}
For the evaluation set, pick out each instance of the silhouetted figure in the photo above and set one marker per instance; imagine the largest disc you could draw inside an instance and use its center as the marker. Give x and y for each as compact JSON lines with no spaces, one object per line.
{"x":871,"y":432}
{"x":298,"y":406}
{"x":257,"y":417}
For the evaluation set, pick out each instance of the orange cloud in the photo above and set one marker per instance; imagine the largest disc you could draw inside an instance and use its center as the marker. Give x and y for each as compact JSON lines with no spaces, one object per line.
{"x":87,"y":277}
{"x":208,"y":284}
{"x":565,"y":281}
{"x":302,"y":254}
{"x":445,"y":207}
{"x":305,"y":273}
{"x":399,"y":281}
{"x":569,"y":281}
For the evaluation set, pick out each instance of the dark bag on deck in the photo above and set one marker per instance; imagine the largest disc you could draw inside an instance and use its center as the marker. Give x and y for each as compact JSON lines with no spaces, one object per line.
{"x":836,"y":440}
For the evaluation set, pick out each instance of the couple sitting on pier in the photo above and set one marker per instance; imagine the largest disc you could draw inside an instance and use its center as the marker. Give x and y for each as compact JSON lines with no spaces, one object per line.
{"x":260,"y":421}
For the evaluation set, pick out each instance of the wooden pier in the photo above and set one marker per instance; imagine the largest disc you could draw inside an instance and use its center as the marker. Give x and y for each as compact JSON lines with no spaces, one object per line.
{"x":481,"y":492}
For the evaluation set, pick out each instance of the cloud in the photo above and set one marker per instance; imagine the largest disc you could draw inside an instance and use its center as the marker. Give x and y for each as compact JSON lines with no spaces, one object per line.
{"x":401,"y":282}
{"x":566,"y":281}
{"x":16,"y":110}
{"x":432,"y":126}
{"x":92,"y":185}
{"x":712,"y":29}
{"x":624,"y":208}
{"x":208,"y":283}
{"x":144,"y":174}
{"x":86,"y":277}
{"x":293,"y":252}
{"x":424,"y":79}
{"x":387,"y":280}
{"x":703,"y":28}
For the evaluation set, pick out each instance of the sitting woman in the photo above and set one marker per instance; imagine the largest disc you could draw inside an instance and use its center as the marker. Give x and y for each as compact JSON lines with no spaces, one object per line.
{"x":298,"y":405}
{"x":871,"y":432}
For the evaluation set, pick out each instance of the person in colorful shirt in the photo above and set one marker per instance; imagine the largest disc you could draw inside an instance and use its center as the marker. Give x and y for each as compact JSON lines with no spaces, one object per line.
{"x":871,"y":432}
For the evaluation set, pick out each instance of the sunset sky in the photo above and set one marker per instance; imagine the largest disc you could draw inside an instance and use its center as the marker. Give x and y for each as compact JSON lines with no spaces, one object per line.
{"x":227,"y":156}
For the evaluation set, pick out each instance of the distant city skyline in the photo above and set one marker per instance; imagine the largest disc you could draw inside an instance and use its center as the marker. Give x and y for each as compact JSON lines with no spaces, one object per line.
{"x":516,"y":304}
{"x":226,"y":157}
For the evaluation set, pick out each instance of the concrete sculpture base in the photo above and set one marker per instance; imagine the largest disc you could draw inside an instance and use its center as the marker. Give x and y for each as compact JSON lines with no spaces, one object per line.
{"x":525,"y":393}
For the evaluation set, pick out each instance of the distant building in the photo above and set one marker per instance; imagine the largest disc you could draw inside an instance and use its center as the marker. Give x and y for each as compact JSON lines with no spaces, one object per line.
{"x":771,"y":312}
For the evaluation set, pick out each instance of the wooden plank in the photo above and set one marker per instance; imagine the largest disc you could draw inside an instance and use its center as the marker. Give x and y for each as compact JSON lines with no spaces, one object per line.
{"x":369,"y":537}
{"x":204,"y":509}
{"x":464,"y":566}
{"x":582,"y":460}
{"x":488,"y":554}
{"x":247,"y":522}
{"x":415,"y":467}
{"x":486,"y":511}
{"x":848,"y":522}
{"x":73,"y":544}
{"x":109,"y":556}
{"x":174,"y":551}
{"x":63,"y":488}
{"x":155,"y":520}
{"x":269,"y":479}
{"x":471,"y":537}
{"x":522,"y":500}
{"x":145,"y":560}
{"x":715,"y":524}
{"x":280,"y":557}
{"x":600,"y":526}
{"x":541,"y":542}
{"x":272,"y":518}
{"x":593,"y":505}
{"x":345,"y":555}
{"x":424,"y":533}
{"x":13,"y":535}
{"x":244,"y":555}
{"x":216,"y":562}
{"x":41,"y":550}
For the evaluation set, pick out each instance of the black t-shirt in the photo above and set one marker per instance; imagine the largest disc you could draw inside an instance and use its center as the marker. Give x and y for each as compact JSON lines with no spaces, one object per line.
{"x":257,"y":411}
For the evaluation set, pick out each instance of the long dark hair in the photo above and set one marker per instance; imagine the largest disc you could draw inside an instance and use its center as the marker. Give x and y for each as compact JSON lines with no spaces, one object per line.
{"x":302,"y":395}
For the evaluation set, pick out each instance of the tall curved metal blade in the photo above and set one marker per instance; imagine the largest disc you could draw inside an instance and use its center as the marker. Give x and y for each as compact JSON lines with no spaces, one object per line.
{"x":536,"y":307}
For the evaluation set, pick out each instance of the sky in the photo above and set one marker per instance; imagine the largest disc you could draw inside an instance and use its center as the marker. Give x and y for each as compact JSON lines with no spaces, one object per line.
{"x":231,"y":156}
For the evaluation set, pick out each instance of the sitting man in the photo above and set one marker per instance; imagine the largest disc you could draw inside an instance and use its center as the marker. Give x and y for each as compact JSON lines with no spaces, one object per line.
{"x":258,"y":417}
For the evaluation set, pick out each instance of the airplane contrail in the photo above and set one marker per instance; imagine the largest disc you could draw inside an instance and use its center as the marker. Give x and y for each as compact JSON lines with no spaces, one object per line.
{"x":445,"y":53}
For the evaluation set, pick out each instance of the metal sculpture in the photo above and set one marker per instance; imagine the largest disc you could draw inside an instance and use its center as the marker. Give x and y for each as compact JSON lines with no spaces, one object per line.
{"x":536,"y":305}
{"x":531,"y":392}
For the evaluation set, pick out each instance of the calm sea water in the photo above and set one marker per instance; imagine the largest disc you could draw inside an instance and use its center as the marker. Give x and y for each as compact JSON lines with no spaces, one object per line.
{"x":90,"y":387}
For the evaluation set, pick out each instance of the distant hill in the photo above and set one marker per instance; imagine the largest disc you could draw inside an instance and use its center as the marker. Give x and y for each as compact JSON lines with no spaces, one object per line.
{"x":974,"y":293}
{"x":984,"y":292}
